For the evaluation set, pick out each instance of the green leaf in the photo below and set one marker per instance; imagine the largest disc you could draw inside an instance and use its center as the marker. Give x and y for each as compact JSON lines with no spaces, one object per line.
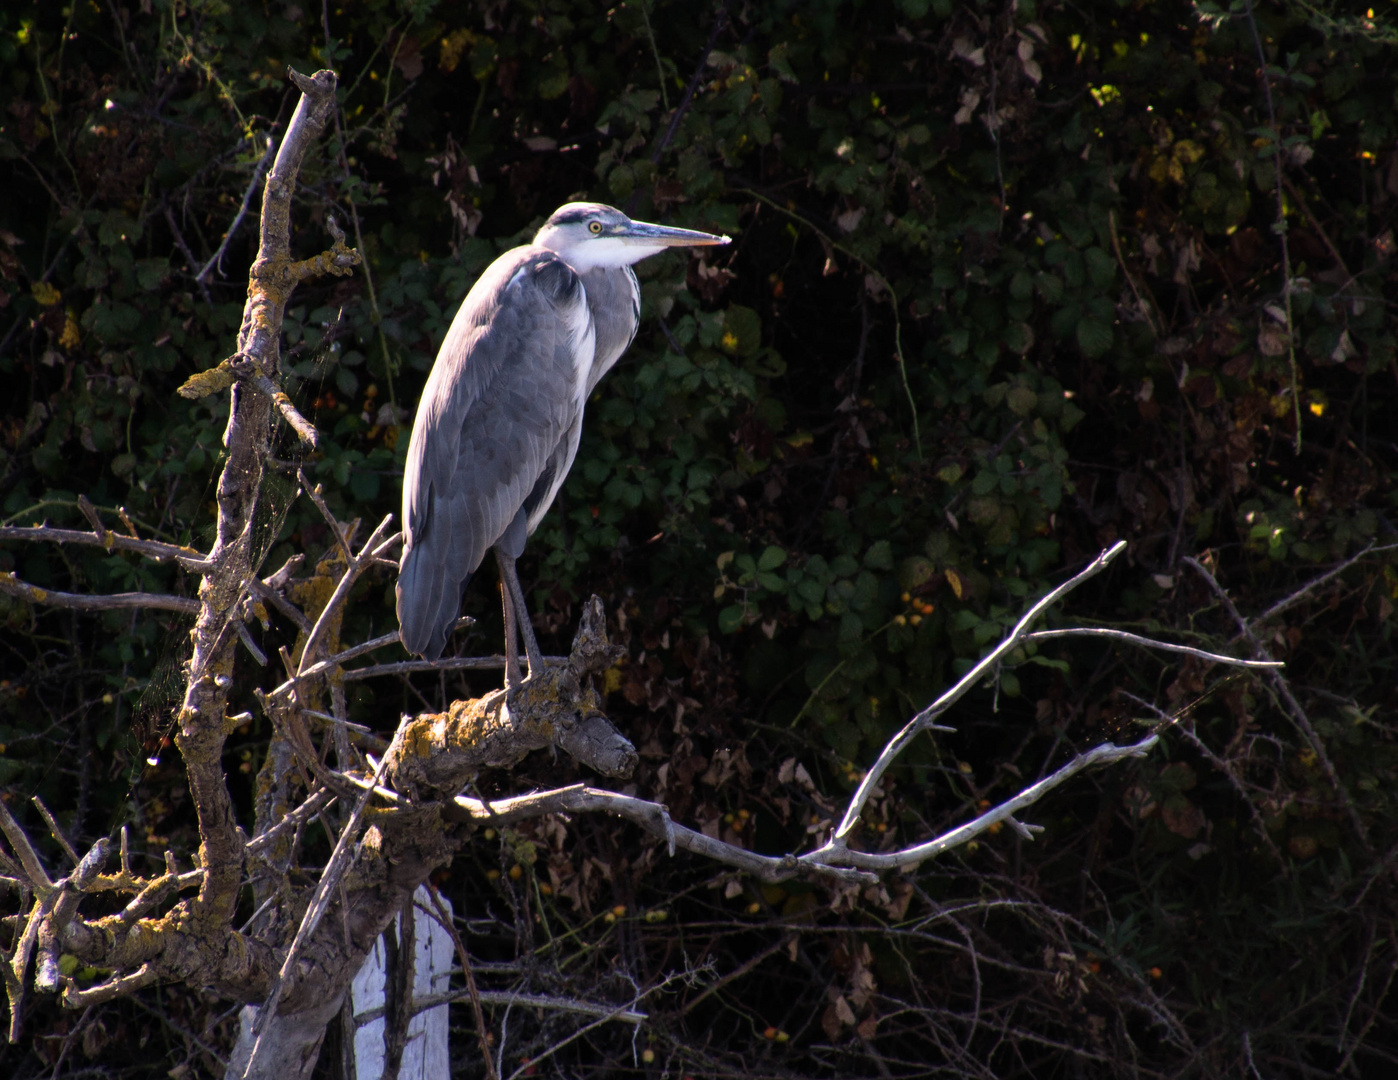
{"x":879,"y":556}
{"x":731,"y":618}
{"x":742,"y":331}
{"x":1094,"y":336}
{"x":771,"y":558}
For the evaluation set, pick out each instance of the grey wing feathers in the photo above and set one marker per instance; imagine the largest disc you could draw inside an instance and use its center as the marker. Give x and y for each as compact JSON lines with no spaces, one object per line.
{"x":502,"y":396}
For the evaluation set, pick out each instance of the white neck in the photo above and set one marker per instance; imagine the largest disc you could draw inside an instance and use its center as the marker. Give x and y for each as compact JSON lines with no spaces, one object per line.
{"x":606,"y":253}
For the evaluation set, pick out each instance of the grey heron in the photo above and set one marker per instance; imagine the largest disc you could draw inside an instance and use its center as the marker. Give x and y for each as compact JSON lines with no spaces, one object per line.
{"x":498,"y":424}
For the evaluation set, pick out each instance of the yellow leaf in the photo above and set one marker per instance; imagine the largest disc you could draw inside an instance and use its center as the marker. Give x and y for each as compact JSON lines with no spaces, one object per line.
{"x":46,"y":294}
{"x":954,"y":580}
{"x":1188,"y":151}
{"x":71,"y":337}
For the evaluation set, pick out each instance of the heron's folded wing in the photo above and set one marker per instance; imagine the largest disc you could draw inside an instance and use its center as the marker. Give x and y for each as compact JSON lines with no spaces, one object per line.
{"x":504,"y":392}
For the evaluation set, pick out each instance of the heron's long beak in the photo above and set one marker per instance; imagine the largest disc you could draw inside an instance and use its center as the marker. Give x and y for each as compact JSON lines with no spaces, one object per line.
{"x":644,"y":233}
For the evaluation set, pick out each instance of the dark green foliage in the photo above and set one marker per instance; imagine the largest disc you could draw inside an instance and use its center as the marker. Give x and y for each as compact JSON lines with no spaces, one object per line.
{"x":1007,"y":284}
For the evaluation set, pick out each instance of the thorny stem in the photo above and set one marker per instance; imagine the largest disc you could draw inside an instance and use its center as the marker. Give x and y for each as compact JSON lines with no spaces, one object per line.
{"x":1279,"y":227}
{"x":343,"y":156}
{"x":1290,"y":705}
{"x":883,"y":284}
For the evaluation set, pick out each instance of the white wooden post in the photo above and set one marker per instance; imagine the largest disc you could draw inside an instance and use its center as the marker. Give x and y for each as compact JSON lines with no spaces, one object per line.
{"x":426,"y":1056}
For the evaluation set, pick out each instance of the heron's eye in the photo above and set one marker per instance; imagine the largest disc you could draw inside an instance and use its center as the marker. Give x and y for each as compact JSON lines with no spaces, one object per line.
{"x":594,"y":227}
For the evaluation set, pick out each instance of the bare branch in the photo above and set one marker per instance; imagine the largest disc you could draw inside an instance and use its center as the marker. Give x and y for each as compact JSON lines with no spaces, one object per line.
{"x":924,"y":720}
{"x":146,"y":900}
{"x":274,"y":597}
{"x":446,"y":663}
{"x":1315,"y":583}
{"x":87,"y":602}
{"x":200,"y":734}
{"x":187,"y":557}
{"x":443,"y":917}
{"x":90,"y":512}
{"x":39,"y":879}
{"x":1164,"y":646}
{"x":251,"y":646}
{"x":512,"y":998}
{"x":351,"y":574}
{"x":1288,"y":700}
{"x":320,"y":901}
{"x":1222,"y":766}
{"x":189,"y":258}
{"x":1106,"y":754}
{"x":612,"y":1015}
{"x":55,"y":831}
{"x":313,"y":492}
{"x":119,"y":987}
{"x":242,"y":212}
{"x":651,"y":816}
{"x":246,"y":368}
{"x":313,"y":805}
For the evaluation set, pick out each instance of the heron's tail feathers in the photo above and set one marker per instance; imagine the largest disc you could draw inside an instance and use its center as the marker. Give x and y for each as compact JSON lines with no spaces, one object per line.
{"x":428,"y":605}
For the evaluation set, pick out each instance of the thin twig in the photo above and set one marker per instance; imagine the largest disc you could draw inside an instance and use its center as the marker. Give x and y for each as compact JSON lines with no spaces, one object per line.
{"x":88,"y":602}
{"x":1279,"y":227}
{"x":242,"y":211}
{"x":39,"y":879}
{"x":1300,"y":594}
{"x":190,"y":260}
{"x":187,"y":557}
{"x":374,"y":545}
{"x":720,"y":21}
{"x":247,"y":369}
{"x":1290,"y":705}
{"x":313,"y":492}
{"x":263,"y":591}
{"x":614,"y":1014}
{"x":317,"y":802}
{"x":1145,"y":642}
{"x":737,"y":973}
{"x":445,"y":920}
{"x":510,"y":998}
{"x":1222,"y":766}
{"x":446,"y":663}
{"x":56,"y":832}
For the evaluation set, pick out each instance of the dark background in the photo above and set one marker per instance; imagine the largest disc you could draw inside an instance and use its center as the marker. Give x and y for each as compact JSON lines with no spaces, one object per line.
{"x":1008,"y":283}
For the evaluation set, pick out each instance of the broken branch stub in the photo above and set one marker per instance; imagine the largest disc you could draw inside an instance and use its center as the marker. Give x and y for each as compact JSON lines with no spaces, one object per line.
{"x":441,"y":752}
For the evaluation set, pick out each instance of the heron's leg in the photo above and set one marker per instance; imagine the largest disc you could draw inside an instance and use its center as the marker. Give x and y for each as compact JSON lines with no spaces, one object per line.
{"x":512,"y":676}
{"x":516,"y":595}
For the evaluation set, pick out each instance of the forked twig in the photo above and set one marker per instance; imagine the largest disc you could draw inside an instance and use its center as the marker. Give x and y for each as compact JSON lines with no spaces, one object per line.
{"x":924,"y":720}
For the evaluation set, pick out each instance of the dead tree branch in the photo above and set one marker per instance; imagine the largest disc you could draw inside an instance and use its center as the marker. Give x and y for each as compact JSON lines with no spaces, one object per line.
{"x":187,"y":557}
{"x":89,"y":602}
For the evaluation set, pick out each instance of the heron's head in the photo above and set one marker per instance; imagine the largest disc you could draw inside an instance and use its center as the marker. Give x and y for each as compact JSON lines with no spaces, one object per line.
{"x":592,"y":235}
